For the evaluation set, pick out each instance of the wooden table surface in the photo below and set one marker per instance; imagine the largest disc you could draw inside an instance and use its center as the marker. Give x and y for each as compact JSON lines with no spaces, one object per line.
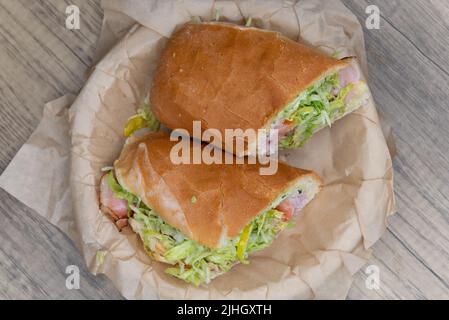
{"x":41,"y":60}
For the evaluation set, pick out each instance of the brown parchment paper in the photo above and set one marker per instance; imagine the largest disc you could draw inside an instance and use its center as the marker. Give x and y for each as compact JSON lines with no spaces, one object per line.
{"x":316,"y":259}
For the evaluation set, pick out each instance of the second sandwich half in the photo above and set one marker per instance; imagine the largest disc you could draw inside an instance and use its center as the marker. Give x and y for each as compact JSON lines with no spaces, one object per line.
{"x":200,"y":219}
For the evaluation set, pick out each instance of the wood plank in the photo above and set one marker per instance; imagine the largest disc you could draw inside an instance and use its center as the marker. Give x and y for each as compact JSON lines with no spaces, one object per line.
{"x":408,"y":62}
{"x":40,"y":60}
{"x":34,"y":256}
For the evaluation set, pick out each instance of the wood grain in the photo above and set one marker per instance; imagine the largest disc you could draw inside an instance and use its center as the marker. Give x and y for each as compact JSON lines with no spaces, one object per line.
{"x":408,"y":63}
{"x":409,"y":75}
{"x":40,"y":60}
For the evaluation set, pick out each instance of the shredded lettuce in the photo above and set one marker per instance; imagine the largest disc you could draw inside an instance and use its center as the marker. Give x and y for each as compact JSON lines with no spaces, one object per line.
{"x":143,"y":119}
{"x":315,"y":108}
{"x":249,"y":22}
{"x":196,"y":19}
{"x":191,"y":261}
{"x":119,"y":192}
{"x":100,"y":256}
{"x":217,"y":15}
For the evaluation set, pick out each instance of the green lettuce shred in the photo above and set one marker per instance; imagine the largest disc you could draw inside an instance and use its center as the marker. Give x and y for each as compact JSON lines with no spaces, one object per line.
{"x":313,"y":109}
{"x":119,"y":192}
{"x":143,"y":119}
{"x":249,"y":22}
{"x":191,"y":261}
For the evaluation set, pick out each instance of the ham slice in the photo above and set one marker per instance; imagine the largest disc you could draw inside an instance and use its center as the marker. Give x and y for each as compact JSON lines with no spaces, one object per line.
{"x":349,"y":75}
{"x":117,"y":208}
{"x":284,"y":126}
{"x":292,"y":205}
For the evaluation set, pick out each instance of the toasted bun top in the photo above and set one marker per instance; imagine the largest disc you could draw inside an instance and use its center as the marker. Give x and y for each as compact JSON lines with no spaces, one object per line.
{"x":207,"y":203}
{"x":232,"y":77}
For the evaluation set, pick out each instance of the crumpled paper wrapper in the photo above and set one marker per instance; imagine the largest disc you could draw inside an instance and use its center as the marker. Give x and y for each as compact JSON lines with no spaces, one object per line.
{"x":316,"y":259}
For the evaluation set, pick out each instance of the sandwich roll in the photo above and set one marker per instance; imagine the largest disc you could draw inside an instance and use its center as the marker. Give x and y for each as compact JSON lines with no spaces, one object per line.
{"x":232,"y":77}
{"x":202,"y":219}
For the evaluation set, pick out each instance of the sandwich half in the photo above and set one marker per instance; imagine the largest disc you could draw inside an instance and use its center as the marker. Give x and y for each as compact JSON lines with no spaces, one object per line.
{"x":232,"y":77}
{"x":200,"y":219}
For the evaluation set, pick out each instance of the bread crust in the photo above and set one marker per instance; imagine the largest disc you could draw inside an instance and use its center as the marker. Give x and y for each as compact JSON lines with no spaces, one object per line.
{"x":226,"y":197}
{"x":232,"y":77}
